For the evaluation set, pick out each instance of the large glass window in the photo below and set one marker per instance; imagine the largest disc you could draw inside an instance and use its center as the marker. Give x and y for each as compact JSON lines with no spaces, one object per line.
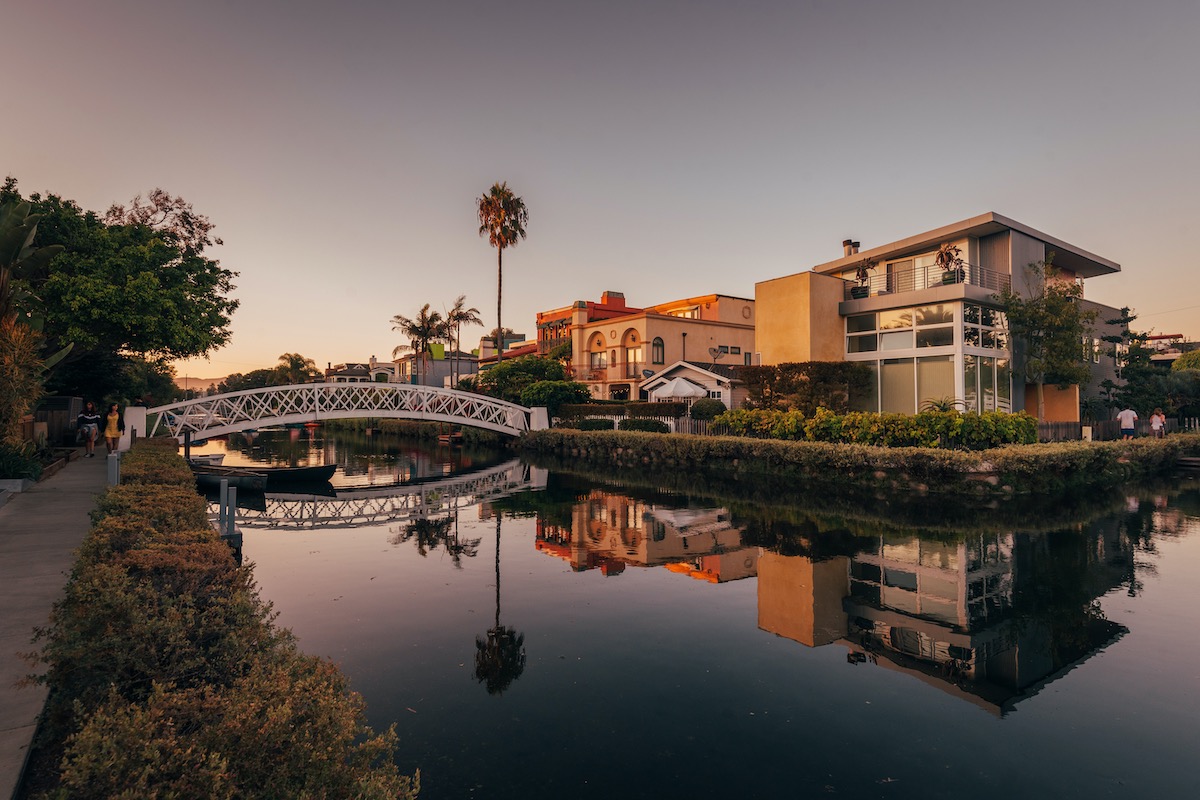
{"x":985,"y":327}
{"x":866,"y":398}
{"x":987,"y":383}
{"x":1003,"y":385}
{"x":896,"y":340}
{"x":897,"y":386}
{"x":970,"y":382}
{"x":935,"y":378}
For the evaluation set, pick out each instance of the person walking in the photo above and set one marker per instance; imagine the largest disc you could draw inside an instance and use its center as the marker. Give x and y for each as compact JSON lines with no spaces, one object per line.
{"x":1128,"y":418}
{"x":88,"y":423}
{"x":1158,"y":423}
{"x":114,"y":426}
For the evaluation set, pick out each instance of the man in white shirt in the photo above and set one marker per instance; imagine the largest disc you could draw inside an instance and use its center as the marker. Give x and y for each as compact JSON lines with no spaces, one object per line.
{"x":1128,"y":418}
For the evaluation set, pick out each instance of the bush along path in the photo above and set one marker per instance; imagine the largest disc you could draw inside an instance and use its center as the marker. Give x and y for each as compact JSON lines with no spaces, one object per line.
{"x":169,"y":678}
{"x":997,"y":472}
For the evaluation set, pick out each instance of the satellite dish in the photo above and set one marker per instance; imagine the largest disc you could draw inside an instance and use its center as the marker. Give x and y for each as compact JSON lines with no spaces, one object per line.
{"x":647,"y":373}
{"x":715,"y":352}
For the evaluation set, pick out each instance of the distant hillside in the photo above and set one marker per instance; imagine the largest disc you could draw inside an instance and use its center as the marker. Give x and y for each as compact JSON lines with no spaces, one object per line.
{"x":198,"y":384}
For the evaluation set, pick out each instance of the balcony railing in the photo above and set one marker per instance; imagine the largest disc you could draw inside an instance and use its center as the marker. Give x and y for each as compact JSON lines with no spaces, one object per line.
{"x":631,"y":370}
{"x":917,"y":278}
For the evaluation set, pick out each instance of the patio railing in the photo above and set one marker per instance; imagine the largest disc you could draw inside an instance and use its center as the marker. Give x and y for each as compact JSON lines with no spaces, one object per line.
{"x":917,"y":278}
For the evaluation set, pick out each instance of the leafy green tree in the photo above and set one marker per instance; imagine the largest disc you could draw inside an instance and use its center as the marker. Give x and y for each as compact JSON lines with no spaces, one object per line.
{"x":295,"y":368}
{"x":136,"y":285}
{"x":456,"y":317}
{"x":508,"y":379}
{"x":1051,"y":326}
{"x":502,"y":218}
{"x":1189,"y":360}
{"x":254,"y":379}
{"x":422,"y":331}
{"x":554,"y":394}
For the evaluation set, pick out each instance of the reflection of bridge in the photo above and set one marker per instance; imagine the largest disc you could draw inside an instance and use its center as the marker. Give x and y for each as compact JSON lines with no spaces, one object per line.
{"x":353,"y":507}
{"x":281,"y":405}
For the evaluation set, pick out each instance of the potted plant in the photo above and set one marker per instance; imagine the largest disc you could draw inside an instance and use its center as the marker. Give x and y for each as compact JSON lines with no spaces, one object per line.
{"x":949,"y":258}
{"x":862,"y":274}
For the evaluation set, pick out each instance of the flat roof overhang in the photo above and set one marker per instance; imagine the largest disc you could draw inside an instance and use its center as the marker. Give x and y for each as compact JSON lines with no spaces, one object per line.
{"x":1067,"y":256}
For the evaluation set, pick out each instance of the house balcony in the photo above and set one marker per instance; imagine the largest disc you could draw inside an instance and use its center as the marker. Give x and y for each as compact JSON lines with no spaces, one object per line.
{"x":631,"y":370}
{"x":918,"y":278}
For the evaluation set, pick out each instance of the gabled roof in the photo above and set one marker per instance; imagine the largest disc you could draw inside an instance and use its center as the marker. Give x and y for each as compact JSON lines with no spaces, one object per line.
{"x":720,"y":374}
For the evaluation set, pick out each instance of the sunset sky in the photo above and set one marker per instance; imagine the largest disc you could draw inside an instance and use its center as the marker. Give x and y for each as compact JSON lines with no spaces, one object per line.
{"x":664,"y":149}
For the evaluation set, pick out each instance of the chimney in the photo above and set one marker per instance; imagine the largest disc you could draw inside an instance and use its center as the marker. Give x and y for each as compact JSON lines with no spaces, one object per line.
{"x":613,"y":299}
{"x":846,"y":247}
{"x":854,"y":248}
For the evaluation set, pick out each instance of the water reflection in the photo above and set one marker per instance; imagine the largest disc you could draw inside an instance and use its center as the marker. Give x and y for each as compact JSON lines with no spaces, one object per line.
{"x":500,"y":655}
{"x":990,"y":617}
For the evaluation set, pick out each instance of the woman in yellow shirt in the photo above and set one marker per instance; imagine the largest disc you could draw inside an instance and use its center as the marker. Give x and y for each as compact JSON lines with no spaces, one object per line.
{"x":114,"y":426}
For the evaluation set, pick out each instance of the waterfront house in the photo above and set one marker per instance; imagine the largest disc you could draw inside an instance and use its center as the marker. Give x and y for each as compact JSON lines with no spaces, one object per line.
{"x":373,"y":371}
{"x":440,"y":367}
{"x":614,"y":348}
{"x":927,"y":332}
{"x":715,"y":380}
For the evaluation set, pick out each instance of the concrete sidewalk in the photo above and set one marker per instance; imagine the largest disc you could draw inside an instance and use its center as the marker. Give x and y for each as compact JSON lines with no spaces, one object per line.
{"x":39,"y":532}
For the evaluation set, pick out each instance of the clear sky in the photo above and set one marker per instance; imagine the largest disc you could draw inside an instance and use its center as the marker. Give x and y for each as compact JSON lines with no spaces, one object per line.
{"x":664,"y":149}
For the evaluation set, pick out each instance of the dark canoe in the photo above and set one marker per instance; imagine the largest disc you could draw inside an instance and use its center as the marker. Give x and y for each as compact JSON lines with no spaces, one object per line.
{"x":289,"y":476}
{"x":210,"y":476}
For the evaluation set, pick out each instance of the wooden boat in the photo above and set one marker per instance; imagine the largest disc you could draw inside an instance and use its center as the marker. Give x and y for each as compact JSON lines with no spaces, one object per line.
{"x":211,"y":459}
{"x":261,"y":479}
{"x":294,"y":475}
{"x":210,"y":475}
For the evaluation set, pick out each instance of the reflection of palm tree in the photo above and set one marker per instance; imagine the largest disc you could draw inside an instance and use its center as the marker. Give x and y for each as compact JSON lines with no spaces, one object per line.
{"x":500,"y":658}
{"x":428,"y":533}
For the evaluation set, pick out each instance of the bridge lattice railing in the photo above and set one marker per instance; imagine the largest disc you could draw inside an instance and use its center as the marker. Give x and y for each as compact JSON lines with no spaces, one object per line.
{"x":249,"y":408}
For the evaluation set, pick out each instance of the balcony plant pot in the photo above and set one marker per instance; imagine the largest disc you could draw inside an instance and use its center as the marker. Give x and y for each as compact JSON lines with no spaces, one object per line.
{"x":952,"y":276}
{"x":859,"y":292}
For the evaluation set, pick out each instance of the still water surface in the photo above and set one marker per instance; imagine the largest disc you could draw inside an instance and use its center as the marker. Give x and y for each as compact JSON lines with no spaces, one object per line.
{"x":537,"y":634}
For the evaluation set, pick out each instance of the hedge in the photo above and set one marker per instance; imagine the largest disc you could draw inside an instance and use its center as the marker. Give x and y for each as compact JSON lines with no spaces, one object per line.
{"x":649,"y":425}
{"x":999,"y":471}
{"x":927,"y":429}
{"x":619,"y":409}
{"x":169,"y":678}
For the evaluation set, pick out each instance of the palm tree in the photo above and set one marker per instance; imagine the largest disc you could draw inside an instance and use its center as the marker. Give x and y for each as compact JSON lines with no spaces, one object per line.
{"x":295,"y":368}
{"x":455,"y":318}
{"x":500,"y":658}
{"x":427,"y":328}
{"x":502,"y":218}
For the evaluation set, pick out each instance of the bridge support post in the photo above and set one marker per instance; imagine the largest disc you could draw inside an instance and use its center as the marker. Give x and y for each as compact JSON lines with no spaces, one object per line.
{"x":539,"y":418}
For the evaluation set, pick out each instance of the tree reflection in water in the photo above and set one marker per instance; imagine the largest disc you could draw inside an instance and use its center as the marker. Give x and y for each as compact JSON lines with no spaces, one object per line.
{"x":500,"y":658}
{"x":428,"y":534}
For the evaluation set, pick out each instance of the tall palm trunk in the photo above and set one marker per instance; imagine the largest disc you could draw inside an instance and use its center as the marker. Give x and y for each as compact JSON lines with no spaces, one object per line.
{"x":499,"y":292}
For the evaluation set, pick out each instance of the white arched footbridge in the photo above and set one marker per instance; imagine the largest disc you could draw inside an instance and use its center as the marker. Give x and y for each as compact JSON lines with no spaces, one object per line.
{"x":219,"y":414}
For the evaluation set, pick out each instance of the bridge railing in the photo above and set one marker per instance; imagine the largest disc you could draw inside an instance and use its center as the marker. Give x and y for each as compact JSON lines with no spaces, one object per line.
{"x":312,"y":402}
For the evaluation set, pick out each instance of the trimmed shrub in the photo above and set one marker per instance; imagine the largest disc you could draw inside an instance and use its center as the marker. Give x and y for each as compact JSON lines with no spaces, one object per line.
{"x":165,"y":508}
{"x":553,"y":395}
{"x":670,"y":409}
{"x":590,"y":424}
{"x":155,"y":464}
{"x":646,"y":425}
{"x":707,"y":408}
{"x":579,"y":410}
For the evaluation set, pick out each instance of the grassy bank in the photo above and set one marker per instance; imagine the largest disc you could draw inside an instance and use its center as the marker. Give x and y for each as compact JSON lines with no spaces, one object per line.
{"x":998,"y":472}
{"x":169,"y":678}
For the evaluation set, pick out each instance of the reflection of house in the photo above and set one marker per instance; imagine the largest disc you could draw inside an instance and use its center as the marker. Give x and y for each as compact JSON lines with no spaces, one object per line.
{"x":374,"y":371}
{"x":924,"y":332}
{"x":974,"y":618}
{"x":718,"y":381}
{"x":439,"y":367}
{"x":612,"y":353}
{"x":610,"y":532}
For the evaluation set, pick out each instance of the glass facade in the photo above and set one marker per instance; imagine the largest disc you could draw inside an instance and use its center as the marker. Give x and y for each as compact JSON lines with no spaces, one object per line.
{"x":941,"y":351}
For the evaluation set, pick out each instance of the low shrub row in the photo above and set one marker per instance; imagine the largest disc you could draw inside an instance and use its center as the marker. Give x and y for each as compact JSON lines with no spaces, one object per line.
{"x":1000,"y":471}
{"x":926,"y":429}
{"x":168,"y":677}
{"x":631,"y":409}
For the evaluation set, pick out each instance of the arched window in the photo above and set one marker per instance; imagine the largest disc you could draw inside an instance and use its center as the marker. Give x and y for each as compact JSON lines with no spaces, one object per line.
{"x":656,"y":351}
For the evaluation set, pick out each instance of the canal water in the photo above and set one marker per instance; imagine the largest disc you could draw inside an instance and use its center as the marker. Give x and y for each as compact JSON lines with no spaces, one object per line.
{"x":537,"y":631}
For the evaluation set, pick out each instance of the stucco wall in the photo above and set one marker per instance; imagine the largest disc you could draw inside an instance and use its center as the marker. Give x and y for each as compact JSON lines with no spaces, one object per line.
{"x":798,"y":319}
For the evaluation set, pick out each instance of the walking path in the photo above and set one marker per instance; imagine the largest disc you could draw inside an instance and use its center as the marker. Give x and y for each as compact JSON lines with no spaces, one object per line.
{"x":39,"y":532}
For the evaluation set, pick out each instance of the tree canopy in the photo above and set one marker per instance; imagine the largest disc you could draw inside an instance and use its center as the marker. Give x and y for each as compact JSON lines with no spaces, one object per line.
{"x":1051,"y":326}
{"x":133,"y":288}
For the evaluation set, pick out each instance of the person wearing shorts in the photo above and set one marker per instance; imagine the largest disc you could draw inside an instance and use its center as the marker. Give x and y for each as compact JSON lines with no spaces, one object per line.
{"x":1128,"y":419}
{"x":88,"y":423}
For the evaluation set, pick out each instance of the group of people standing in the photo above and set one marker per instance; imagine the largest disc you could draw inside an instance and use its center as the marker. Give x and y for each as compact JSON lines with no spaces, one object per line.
{"x":1128,"y":419}
{"x":90,"y":422}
